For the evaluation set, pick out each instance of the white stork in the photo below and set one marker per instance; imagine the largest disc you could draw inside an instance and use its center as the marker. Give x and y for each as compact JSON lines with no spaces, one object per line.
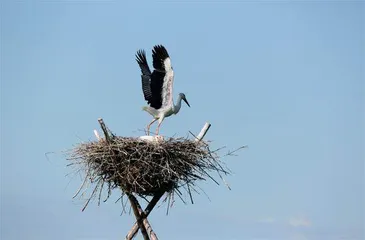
{"x":157,"y":86}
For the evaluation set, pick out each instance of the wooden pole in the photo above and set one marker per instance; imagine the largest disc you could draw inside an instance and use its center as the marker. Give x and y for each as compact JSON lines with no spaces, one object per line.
{"x":146,"y":224}
{"x":203,"y":132}
{"x":131,"y":234}
{"x":137,"y":209}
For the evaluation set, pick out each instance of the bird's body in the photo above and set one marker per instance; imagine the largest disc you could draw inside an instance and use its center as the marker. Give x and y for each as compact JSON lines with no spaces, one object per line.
{"x":167,"y":111}
{"x":158,"y":86}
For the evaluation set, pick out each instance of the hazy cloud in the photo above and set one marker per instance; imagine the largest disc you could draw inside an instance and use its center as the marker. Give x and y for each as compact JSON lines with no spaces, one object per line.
{"x":298,"y":237}
{"x":267,"y":220}
{"x":299,"y":222}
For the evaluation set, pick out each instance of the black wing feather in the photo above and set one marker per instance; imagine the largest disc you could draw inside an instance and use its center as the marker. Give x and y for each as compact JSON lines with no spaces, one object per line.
{"x":142,"y":62}
{"x":146,"y":75}
{"x":156,"y":88}
{"x":159,"y":54}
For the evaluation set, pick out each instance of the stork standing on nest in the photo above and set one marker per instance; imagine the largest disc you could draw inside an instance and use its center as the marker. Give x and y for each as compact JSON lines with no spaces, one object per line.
{"x":157,"y":86}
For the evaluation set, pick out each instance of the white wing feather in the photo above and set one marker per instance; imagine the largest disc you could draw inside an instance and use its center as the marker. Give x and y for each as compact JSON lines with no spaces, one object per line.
{"x":167,"y":87}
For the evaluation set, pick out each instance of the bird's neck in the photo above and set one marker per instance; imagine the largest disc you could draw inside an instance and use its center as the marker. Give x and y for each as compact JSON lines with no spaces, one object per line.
{"x":178,"y":104}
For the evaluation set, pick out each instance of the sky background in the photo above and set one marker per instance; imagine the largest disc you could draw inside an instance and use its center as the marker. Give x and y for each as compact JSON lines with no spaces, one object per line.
{"x":285,"y":78}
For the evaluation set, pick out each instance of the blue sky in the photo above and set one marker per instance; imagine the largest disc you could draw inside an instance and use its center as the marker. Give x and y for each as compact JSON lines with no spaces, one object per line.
{"x":285,"y":78}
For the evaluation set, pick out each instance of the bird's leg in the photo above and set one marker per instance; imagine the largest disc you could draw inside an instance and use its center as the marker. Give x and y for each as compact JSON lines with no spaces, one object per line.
{"x":149,"y":125}
{"x":159,"y":124}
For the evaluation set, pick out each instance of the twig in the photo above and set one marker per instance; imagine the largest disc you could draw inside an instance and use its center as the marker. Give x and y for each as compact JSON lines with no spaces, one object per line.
{"x":231,"y":153}
{"x":83,"y":184}
{"x":91,"y":196}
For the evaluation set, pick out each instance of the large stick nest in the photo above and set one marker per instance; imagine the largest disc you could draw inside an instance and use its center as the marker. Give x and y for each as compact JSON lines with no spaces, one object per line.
{"x":146,"y":167}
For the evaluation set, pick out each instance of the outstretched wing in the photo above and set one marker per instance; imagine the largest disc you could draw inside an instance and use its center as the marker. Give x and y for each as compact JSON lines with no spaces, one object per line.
{"x":146,"y":74}
{"x":162,"y":77}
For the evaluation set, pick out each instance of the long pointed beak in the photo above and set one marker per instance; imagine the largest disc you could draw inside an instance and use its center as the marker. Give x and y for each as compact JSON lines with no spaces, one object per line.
{"x":186,"y":101}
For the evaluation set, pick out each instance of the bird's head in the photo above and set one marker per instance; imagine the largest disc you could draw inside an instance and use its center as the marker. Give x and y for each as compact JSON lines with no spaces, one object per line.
{"x":182,"y":95}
